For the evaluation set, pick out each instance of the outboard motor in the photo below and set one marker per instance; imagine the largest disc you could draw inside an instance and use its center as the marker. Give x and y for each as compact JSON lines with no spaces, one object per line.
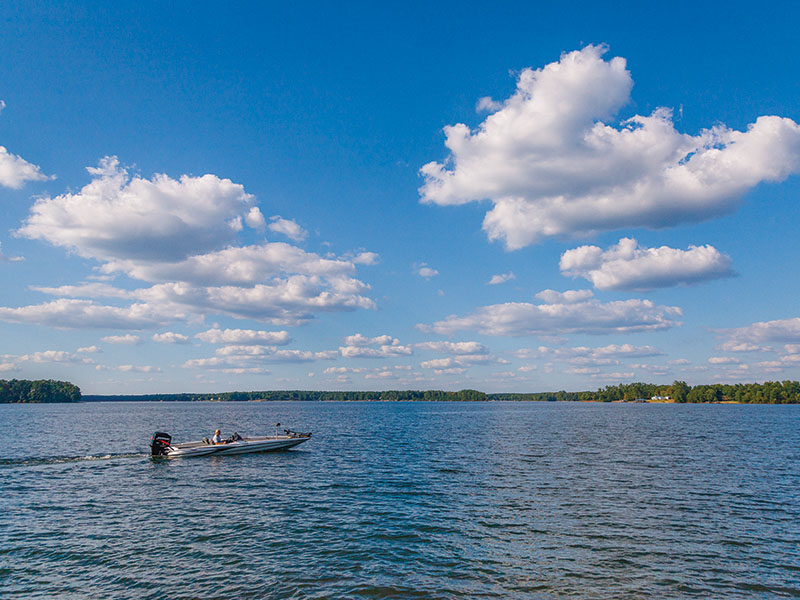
{"x":160,"y":443}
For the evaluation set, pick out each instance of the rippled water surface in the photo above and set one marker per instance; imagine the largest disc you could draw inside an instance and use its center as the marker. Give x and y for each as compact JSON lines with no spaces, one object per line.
{"x":403,"y":500}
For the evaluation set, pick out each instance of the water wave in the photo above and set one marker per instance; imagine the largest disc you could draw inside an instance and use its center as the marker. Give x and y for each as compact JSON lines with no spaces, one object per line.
{"x":54,"y":460}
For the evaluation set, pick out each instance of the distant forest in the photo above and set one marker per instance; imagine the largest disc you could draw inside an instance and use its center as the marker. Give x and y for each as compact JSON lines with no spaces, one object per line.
{"x":297,"y":395}
{"x":770,"y":392}
{"x":42,"y":390}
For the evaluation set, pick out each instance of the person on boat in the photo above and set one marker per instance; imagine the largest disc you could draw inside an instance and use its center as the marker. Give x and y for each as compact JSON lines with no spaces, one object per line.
{"x":217,"y":439}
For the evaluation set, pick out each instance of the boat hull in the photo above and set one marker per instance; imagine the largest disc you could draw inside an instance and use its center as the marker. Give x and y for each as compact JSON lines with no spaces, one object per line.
{"x":244,"y":446}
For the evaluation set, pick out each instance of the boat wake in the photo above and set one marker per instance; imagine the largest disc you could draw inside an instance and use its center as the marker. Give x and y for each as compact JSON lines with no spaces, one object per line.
{"x":54,"y":460}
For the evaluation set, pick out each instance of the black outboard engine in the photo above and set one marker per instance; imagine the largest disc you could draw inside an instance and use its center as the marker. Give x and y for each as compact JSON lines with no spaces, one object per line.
{"x":160,"y":443}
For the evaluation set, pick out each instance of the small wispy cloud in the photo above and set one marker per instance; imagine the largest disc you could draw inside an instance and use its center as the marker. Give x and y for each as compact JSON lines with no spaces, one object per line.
{"x":129,"y":339}
{"x":288,"y":228}
{"x":423,"y":270}
{"x":502,"y":278}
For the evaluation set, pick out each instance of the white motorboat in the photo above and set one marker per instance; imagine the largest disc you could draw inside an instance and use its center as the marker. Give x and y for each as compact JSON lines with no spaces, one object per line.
{"x":161,"y":445}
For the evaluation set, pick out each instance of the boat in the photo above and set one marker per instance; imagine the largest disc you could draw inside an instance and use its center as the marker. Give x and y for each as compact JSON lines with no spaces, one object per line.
{"x":161,"y":445}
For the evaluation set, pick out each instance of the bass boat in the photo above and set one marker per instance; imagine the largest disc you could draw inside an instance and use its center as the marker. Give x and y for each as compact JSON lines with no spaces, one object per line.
{"x":161,"y":445}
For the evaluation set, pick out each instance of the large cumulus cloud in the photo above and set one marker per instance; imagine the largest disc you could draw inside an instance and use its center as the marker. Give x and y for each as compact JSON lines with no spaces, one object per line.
{"x":182,"y":237}
{"x":552,"y":165}
{"x":118,"y":216}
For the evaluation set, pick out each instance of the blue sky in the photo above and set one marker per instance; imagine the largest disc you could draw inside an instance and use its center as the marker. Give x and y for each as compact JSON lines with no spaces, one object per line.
{"x":198,"y":197}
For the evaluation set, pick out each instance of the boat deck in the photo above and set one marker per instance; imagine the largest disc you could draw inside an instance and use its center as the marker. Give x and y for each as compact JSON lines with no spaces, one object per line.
{"x":250,"y":440}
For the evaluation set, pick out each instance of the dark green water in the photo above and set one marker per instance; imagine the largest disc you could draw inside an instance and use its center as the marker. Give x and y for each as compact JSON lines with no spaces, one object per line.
{"x":403,"y":500}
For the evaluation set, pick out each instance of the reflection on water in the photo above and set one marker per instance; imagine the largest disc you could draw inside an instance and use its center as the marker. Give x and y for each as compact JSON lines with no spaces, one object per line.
{"x":404,"y":500}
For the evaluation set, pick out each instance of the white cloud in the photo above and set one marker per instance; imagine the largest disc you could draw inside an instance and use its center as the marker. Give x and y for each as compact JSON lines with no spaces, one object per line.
{"x":568,"y":297}
{"x":273,"y":354}
{"x":118,"y":216}
{"x":625,"y":350}
{"x":202,"y":363}
{"x":288,"y":228}
{"x":423,"y":270}
{"x":169,"y":337}
{"x":771,"y":366}
{"x":301,"y":355}
{"x":248,"y":337}
{"x":252,"y":357}
{"x":552,"y":166}
{"x":85,"y":290}
{"x":12,"y":362}
{"x":461,"y":361}
{"x":588,"y":316}
{"x":603,"y":353}
{"x":54,"y":356}
{"x":377,"y":373}
{"x":128,"y":339}
{"x":237,"y":266}
{"x":679,"y":362}
{"x":180,"y":236}
{"x":781,"y":330}
{"x":89,"y":350}
{"x":285,"y":302}
{"x":582,"y":370}
{"x":616,"y":376}
{"x":382,"y":352}
{"x":657,"y":370}
{"x":81,"y":314}
{"x":737,"y":346}
{"x":437,"y":363}
{"x":497,"y":279}
{"x":130,"y":368}
{"x":585,"y":356}
{"x":244,"y":371}
{"x":15,"y":171}
{"x":381,"y":375}
{"x":450,"y":371}
{"x":723,"y":360}
{"x":274,"y":282}
{"x":628,"y":266}
{"x":486,"y":104}
{"x":458,"y":348}
{"x":366,"y":258}
{"x":382,"y":346}
{"x":4,"y":258}
{"x":255,"y":219}
{"x":359,"y":339}
{"x":245,"y":350}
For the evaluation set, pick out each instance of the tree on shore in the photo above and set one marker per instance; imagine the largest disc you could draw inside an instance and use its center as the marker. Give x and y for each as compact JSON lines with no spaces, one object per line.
{"x":39,"y":391}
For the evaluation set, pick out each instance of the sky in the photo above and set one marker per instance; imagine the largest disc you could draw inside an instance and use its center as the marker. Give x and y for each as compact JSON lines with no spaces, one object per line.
{"x":518,"y":197}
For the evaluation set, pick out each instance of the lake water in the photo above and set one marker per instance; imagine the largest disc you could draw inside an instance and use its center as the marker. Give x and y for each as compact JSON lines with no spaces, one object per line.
{"x":403,"y":500}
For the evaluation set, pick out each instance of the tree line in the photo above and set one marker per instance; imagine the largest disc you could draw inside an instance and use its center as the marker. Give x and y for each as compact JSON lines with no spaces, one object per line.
{"x":769,"y":392}
{"x":303,"y":395}
{"x":41,"y":390}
